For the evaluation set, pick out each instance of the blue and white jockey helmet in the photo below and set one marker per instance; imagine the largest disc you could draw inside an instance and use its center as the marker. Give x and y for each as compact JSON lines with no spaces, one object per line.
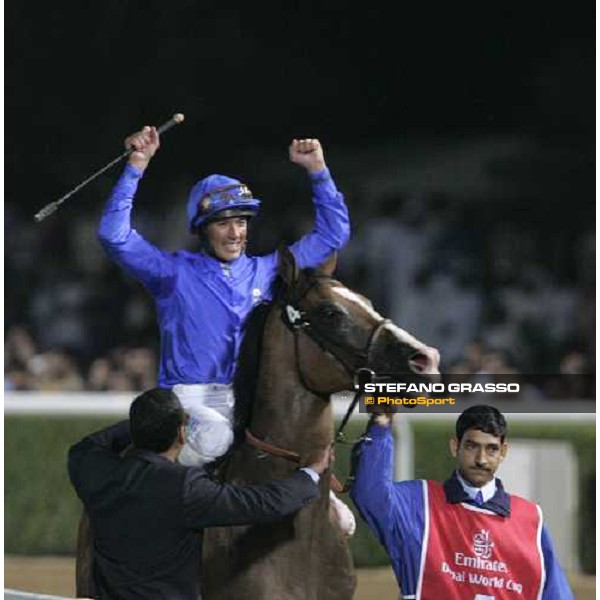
{"x":219,"y":197}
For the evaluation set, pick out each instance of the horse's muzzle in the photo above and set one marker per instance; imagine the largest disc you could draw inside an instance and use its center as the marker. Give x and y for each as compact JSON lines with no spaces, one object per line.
{"x":425,"y":361}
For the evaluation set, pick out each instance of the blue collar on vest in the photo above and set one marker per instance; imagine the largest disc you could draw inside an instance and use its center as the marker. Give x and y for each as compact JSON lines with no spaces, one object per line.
{"x":499,"y":503}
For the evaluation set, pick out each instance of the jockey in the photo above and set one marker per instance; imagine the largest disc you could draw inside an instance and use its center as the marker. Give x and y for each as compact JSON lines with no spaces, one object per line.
{"x":203,"y":299}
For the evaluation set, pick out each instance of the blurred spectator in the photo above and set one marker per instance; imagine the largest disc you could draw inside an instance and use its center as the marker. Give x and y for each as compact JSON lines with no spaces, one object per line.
{"x":55,"y":371}
{"x":479,"y":360}
{"x":26,"y":369}
{"x":139,"y":364}
{"x":18,"y":380}
{"x":574,"y":363}
{"x":132,"y":369}
{"x":496,"y":363}
{"x":59,"y":312}
{"x":19,"y":351}
{"x":574,"y":366}
{"x":19,"y":348}
{"x":99,"y":375}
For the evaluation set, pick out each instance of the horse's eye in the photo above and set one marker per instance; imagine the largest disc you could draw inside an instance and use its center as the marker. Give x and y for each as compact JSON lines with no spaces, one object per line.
{"x":330,"y":312}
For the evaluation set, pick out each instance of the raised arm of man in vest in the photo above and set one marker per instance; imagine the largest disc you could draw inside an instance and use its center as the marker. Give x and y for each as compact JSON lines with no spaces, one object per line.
{"x":393,"y":510}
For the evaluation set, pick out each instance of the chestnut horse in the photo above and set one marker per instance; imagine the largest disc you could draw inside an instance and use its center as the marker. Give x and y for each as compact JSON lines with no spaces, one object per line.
{"x":297,"y":351}
{"x":316,"y":334}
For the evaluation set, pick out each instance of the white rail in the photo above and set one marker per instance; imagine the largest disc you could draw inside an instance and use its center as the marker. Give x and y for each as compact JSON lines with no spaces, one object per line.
{"x":19,"y":595}
{"x":117,"y":404}
{"x":104,"y":403}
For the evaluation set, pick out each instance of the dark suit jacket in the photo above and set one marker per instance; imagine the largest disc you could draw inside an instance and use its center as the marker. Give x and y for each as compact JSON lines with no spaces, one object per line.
{"x":147,"y":514}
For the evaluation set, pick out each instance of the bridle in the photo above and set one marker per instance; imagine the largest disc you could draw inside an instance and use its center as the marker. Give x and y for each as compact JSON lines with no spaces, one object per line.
{"x":298,"y":322}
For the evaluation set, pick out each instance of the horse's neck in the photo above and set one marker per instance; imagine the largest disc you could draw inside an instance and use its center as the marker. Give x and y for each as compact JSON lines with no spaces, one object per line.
{"x":285,"y":412}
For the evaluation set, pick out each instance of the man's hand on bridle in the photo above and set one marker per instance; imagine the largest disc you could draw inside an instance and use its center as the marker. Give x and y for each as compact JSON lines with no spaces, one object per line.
{"x":382,"y":419}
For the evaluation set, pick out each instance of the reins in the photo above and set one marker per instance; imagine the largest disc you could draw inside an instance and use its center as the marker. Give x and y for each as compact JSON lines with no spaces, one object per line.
{"x":273,"y":450}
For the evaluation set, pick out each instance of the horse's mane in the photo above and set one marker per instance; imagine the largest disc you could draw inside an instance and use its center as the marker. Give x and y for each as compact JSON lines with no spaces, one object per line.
{"x":248,"y":363}
{"x":246,"y":372}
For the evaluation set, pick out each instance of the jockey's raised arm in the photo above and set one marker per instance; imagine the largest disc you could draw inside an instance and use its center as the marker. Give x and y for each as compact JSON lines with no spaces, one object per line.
{"x":331,"y":230}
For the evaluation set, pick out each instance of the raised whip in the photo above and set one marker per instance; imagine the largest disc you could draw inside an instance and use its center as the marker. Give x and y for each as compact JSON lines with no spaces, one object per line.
{"x":53,"y":206}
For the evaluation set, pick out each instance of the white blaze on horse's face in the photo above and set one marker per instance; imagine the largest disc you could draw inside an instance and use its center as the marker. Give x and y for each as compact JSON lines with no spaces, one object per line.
{"x":426,"y":359}
{"x":344,"y":292}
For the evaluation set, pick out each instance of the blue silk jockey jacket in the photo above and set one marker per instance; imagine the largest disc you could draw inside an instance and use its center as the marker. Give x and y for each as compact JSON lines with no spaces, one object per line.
{"x":202,"y":305}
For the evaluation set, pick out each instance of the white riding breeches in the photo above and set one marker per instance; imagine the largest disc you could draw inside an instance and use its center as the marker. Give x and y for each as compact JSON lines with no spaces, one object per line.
{"x":209,"y":432}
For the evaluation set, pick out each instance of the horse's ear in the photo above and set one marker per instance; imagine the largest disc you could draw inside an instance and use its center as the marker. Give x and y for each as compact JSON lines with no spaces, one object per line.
{"x":288,"y":269}
{"x":328,"y":267}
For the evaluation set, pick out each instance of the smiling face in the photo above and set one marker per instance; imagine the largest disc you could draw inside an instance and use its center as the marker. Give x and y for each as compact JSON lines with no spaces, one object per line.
{"x":478,"y":455}
{"x":227,"y":237}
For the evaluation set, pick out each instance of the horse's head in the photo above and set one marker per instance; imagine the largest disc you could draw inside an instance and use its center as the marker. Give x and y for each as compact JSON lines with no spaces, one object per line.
{"x":337,"y":331}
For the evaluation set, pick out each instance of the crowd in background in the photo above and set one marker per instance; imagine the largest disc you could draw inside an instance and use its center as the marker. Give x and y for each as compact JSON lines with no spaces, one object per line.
{"x":473,"y":283}
{"x":495,"y":292}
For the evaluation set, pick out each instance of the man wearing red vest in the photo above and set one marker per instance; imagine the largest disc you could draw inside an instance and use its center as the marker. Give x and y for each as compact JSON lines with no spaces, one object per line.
{"x":465,"y":539}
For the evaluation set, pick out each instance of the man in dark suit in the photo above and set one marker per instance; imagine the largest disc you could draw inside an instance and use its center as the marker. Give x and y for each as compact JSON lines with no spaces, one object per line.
{"x":147,"y":511}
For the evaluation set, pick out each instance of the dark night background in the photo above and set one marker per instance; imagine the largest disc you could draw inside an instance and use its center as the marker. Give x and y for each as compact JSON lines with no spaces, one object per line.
{"x":406,"y":101}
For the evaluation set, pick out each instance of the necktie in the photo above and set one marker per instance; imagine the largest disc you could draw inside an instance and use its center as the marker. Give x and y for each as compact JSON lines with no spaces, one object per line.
{"x":479,"y":498}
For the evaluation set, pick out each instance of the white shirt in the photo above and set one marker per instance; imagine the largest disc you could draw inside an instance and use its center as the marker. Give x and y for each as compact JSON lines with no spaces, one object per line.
{"x":311,"y":473}
{"x":487,"y":491}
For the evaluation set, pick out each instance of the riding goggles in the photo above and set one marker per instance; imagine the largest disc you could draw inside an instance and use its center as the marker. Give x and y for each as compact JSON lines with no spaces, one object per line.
{"x":236,"y":198}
